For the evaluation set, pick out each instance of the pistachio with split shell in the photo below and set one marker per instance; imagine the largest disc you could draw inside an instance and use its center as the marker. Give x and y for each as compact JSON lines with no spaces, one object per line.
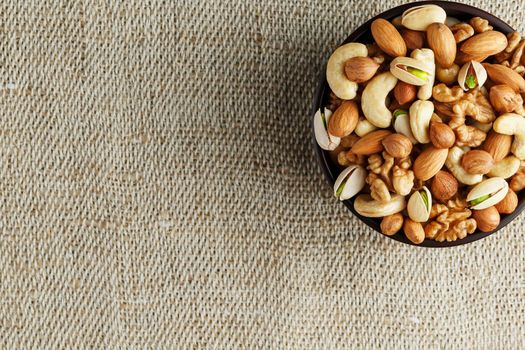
{"x":410,"y":70}
{"x":419,"y":205}
{"x":402,"y":124}
{"x":420,"y":17}
{"x":324,"y":139}
{"x":487,"y":193}
{"x":365,"y":205}
{"x":472,"y":75}
{"x":350,"y":182}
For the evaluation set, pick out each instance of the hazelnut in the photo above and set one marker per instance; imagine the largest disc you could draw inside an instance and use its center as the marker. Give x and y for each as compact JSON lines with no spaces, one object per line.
{"x":508,"y":204}
{"x":444,"y":186}
{"x":397,"y":145}
{"x":391,"y":224}
{"x":487,"y":219}
{"x":477,"y":162}
{"x":404,"y":92}
{"x":414,"y":231}
{"x":504,"y":99}
{"x":360,"y":69}
{"x":441,"y":135}
{"x":413,"y":39}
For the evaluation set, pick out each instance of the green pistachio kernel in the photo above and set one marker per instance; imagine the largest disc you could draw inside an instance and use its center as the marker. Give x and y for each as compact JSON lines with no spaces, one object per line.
{"x":418,"y":73}
{"x":399,"y":112}
{"x":340,"y":188}
{"x":471,"y":82}
{"x":425,"y":197}
{"x":479,"y":200}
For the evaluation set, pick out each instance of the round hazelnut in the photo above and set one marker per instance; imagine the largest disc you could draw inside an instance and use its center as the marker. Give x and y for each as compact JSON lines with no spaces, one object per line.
{"x":404,"y":92}
{"x":441,"y":135}
{"x":444,"y":186}
{"x":508,"y":204}
{"x":391,"y":224}
{"x":477,"y":162}
{"x":397,"y":145}
{"x":486,"y":219}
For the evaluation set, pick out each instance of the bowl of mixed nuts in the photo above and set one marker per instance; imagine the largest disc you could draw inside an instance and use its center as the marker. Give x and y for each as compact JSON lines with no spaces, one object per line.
{"x":419,"y":123}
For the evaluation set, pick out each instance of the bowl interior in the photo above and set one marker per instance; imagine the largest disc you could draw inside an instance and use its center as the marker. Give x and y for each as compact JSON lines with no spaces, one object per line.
{"x":363,"y":35}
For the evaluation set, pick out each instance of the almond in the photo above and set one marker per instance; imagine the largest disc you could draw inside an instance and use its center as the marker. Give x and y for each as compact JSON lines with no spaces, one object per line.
{"x":487,"y":219}
{"x":487,"y":43}
{"x":462,"y":58}
{"x":344,"y":120}
{"x":497,"y":145}
{"x":414,"y":231}
{"x":397,"y":145}
{"x":429,"y":162}
{"x":404,"y":92}
{"x":413,"y":38}
{"x":504,"y":99}
{"x":370,"y":143}
{"x":508,"y":204}
{"x":444,"y":186}
{"x":388,"y":38}
{"x":441,"y":135}
{"x":360,"y":69}
{"x":441,"y":40}
{"x":500,"y":74}
{"x":477,"y":162}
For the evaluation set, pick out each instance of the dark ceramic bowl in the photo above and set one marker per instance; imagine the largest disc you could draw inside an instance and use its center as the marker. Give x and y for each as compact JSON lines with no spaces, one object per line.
{"x":363,"y":35}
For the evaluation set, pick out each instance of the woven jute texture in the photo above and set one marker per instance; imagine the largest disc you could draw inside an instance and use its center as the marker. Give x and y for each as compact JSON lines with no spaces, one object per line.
{"x":159,"y":189}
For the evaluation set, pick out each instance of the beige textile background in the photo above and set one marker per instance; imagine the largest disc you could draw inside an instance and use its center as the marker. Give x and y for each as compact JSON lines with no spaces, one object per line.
{"x":159,"y":190}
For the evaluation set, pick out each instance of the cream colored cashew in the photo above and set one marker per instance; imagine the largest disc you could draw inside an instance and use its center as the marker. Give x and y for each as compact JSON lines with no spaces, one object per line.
{"x":505,"y":168}
{"x":365,"y":205}
{"x":426,"y":56}
{"x":453,"y":163}
{"x":364,"y":127}
{"x":513,"y":124}
{"x":335,"y":70}
{"x":373,"y":100}
{"x":420,"y":114}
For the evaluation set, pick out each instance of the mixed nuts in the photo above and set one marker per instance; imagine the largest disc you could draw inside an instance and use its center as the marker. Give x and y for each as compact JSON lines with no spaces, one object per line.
{"x":428,"y":124}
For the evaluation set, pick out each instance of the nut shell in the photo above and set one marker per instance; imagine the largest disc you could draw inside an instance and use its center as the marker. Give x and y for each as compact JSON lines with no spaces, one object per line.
{"x":441,"y":41}
{"x":444,"y":186}
{"x":477,"y":162}
{"x":429,"y":162}
{"x":487,"y":219}
{"x":391,"y":224}
{"x":508,"y":204}
{"x":420,"y":17}
{"x":344,"y":119}
{"x":496,"y":187}
{"x":370,"y":143}
{"x":388,"y":38}
{"x":497,"y":145}
{"x":397,"y":145}
{"x":360,"y":69}
{"x":441,"y":135}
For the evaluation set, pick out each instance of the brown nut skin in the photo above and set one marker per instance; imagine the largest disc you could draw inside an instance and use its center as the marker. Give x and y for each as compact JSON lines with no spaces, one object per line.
{"x":413,"y":39}
{"x":487,"y":219}
{"x":370,"y":143}
{"x":391,"y":224}
{"x":344,"y":120}
{"x":397,"y":145}
{"x":500,"y":74}
{"x":508,"y":204}
{"x":477,"y":162}
{"x":444,"y":186}
{"x":388,"y":38}
{"x":441,"y":135}
{"x":504,"y":99}
{"x":441,"y":41}
{"x":414,"y":231}
{"x":360,"y":69}
{"x":497,"y":145}
{"x":404,"y":92}
{"x":429,"y":162}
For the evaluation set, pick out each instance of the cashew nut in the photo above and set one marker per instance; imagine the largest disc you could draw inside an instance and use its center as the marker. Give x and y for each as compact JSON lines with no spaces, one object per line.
{"x":364,"y":127}
{"x":505,"y":168}
{"x":335,"y":72}
{"x":453,"y":163}
{"x":366,"y":206}
{"x":420,"y":114}
{"x":513,"y":124}
{"x":373,"y":100}
{"x":426,"y":56}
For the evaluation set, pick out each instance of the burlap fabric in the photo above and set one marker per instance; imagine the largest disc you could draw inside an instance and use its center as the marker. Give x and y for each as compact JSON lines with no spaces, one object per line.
{"x":159,"y":190}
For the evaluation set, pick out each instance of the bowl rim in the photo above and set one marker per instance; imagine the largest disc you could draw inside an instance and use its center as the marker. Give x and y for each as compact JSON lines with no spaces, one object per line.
{"x":331,"y":171}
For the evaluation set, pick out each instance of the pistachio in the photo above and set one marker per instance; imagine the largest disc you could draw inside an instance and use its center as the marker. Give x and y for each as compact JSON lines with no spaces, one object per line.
{"x":324,"y":139}
{"x":402,"y":124}
{"x":420,"y":17}
{"x":350,"y":182}
{"x":472,"y":75}
{"x":419,"y":205}
{"x":487,"y":193}
{"x":410,"y":70}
